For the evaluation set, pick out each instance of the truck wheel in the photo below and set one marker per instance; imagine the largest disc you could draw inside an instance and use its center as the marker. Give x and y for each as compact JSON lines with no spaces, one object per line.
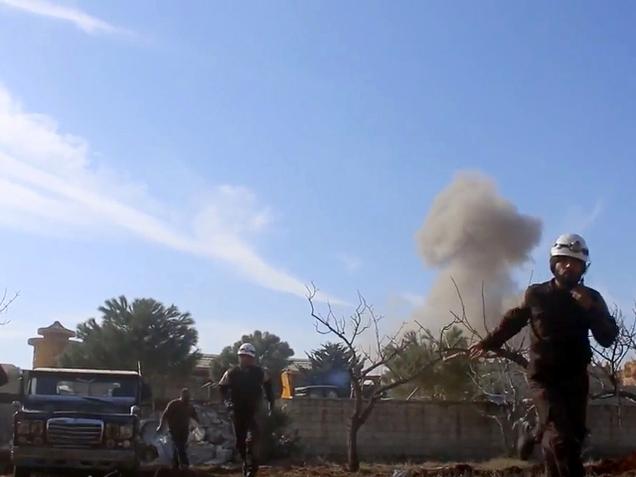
{"x":21,"y":472}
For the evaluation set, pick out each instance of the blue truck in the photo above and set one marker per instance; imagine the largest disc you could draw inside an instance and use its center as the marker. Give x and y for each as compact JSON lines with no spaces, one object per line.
{"x":77,"y":419}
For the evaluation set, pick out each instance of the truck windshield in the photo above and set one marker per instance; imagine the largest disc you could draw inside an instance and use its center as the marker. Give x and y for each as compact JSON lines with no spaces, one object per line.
{"x":83,"y":386}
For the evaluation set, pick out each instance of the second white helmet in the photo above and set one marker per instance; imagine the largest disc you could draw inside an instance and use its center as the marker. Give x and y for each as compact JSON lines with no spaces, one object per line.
{"x":571,"y":245}
{"x":247,"y":349}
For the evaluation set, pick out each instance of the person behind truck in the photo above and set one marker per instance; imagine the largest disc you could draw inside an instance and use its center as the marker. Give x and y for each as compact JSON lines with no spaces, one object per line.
{"x":242,"y":391}
{"x":177,"y":414}
{"x":561,"y":313}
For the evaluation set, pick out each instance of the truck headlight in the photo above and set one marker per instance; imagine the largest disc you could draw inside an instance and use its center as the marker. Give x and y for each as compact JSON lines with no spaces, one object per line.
{"x":126,"y":431}
{"x":111,"y":430}
{"x":37,"y":428}
{"x":28,"y":427}
{"x":23,"y":428}
{"x":119,"y":431}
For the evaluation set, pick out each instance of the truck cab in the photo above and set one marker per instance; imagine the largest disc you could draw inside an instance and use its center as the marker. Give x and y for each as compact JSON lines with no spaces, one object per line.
{"x":77,"y":419}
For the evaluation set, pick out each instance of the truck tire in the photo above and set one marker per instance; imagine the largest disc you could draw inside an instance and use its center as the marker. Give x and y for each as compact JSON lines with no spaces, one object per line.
{"x":21,"y":472}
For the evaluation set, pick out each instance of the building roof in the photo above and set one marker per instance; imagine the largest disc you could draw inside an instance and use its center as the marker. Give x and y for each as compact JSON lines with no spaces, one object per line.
{"x":56,"y":329}
{"x":207,"y":359}
{"x":297,"y":363}
{"x":87,"y":371}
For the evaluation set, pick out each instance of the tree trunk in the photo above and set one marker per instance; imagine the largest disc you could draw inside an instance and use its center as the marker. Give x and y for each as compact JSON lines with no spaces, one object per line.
{"x":354,"y":424}
{"x":352,"y":446}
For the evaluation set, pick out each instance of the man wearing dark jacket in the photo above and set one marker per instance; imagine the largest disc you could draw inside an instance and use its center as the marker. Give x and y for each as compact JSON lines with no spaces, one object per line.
{"x":242,"y":390}
{"x":560,"y":314}
{"x":178,"y":413}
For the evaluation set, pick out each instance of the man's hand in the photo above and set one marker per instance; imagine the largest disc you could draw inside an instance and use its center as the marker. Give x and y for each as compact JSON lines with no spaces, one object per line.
{"x":477,"y":351}
{"x":582,"y":297}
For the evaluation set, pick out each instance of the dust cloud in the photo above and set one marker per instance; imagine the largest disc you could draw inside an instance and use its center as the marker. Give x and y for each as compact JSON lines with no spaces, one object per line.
{"x":473,"y":235}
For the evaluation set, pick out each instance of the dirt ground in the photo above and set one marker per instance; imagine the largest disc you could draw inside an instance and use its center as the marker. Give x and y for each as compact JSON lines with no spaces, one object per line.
{"x":495,"y":468}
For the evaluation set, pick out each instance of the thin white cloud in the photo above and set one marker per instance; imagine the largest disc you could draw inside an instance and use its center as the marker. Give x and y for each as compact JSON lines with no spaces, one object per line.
{"x":591,"y":218}
{"x":46,"y":180}
{"x":350,"y":262}
{"x":580,"y":219}
{"x":80,"y":19}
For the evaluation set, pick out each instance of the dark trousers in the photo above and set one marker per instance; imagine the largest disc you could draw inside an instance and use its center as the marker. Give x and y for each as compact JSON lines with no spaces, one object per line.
{"x":180,"y":450}
{"x":247,"y":434}
{"x":562,"y":410}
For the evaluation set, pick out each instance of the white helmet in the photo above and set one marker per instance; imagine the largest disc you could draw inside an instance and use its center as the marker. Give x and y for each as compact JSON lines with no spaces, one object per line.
{"x":247,"y":349}
{"x":571,"y":245}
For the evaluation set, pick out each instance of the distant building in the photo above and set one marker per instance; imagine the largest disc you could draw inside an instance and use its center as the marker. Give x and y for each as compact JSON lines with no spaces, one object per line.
{"x":204,"y":364}
{"x":50,"y":345}
{"x":629,"y":373}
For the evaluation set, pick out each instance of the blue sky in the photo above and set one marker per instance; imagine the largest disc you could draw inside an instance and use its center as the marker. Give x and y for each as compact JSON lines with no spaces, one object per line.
{"x":220,"y":155}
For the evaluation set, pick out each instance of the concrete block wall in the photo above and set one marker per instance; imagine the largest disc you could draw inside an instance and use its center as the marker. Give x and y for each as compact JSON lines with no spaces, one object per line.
{"x":612,"y":429}
{"x":435,"y":430}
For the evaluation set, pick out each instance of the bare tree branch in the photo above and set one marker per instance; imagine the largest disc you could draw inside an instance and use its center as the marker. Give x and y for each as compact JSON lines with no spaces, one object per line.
{"x":609,"y":363}
{"x":365,"y":363}
{"x":5,"y":303}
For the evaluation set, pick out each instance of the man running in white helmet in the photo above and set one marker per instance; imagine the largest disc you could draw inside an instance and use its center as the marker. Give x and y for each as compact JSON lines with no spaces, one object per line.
{"x":242,"y":390}
{"x":560,"y":313}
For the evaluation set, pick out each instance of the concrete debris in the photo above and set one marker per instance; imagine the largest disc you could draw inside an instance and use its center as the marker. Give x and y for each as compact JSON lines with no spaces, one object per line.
{"x":210,"y":443}
{"x":402,"y":473}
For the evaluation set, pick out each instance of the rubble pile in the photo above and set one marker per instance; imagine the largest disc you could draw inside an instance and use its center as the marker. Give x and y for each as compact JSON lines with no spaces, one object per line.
{"x":210,"y":443}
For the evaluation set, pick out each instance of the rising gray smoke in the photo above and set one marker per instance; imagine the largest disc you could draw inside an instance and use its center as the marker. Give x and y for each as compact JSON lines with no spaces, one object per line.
{"x":473,"y":235}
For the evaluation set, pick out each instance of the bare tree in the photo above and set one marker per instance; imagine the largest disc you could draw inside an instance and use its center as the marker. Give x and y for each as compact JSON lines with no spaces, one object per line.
{"x":504,"y":383}
{"x":5,"y":301}
{"x":365,"y":363}
{"x":610,"y":362}
{"x":514,"y":351}
{"x":633,"y":338}
{"x":501,"y":379}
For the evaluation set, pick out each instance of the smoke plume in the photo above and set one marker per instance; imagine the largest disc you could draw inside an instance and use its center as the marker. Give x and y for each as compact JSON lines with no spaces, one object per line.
{"x":473,"y":235}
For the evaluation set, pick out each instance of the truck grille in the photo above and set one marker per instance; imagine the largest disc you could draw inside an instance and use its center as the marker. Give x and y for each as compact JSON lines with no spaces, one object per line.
{"x":72,"y":432}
